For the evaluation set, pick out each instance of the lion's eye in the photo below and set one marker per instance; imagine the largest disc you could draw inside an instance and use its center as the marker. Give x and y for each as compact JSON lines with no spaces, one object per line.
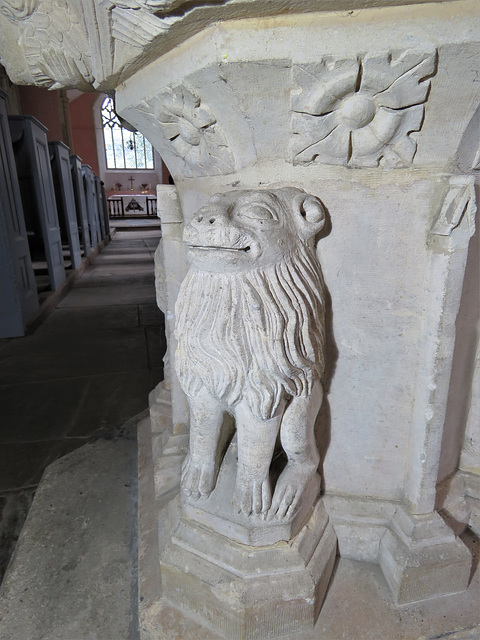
{"x":257,"y":212}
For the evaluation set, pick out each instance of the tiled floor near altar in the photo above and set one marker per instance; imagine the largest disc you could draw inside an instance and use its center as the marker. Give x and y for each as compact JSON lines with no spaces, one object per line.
{"x":86,"y":370}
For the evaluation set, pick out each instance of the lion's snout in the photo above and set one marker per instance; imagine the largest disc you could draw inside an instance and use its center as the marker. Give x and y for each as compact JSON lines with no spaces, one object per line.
{"x":214,"y":234}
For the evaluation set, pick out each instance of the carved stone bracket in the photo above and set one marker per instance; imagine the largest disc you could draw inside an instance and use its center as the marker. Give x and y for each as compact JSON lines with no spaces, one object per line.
{"x":192,"y":131}
{"x":360,"y":111}
{"x":460,"y":201}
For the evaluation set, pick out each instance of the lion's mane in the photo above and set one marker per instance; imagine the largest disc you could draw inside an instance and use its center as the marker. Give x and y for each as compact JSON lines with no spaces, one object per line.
{"x":255,"y":335}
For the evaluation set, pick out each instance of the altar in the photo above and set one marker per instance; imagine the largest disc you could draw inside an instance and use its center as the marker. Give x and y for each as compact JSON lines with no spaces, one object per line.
{"x":132,"y":203}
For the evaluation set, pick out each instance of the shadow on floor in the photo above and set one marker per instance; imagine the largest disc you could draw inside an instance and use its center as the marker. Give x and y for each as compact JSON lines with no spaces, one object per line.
{"x":87,"y":369}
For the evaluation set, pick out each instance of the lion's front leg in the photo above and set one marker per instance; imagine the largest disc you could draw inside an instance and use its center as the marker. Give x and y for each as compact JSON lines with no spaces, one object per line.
{"x":298,"y":441}
{"x":198,"y":471}
{"x":256,"y":441}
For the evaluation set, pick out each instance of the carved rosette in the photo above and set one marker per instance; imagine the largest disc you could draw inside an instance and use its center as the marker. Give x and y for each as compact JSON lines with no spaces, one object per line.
{"x":360,"y":111}
{"x":193,"y":133}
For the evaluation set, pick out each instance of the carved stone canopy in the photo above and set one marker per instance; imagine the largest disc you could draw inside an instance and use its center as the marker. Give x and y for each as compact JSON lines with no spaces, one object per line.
{"x":369,"y":97}
{"x":98,"y":44}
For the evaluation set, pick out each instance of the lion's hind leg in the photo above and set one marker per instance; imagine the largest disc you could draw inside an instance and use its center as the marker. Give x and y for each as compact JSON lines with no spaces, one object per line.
{"x":256,"y":441}
{"x":199,"y":469}
{"x":298,"y":441}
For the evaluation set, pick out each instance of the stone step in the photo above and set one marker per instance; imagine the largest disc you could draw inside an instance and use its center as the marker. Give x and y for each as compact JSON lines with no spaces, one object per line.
{"x":73,"y":573}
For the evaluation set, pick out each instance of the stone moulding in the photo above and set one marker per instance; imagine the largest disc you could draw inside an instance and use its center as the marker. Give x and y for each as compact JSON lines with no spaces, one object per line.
{"x":360,"y":111}
{"x":250,"y":593}
{"x":421,"y":558}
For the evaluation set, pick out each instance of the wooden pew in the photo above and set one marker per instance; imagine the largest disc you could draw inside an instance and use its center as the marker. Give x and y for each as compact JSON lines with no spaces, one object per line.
{"x":18,"y":289}
{"x":32,"y":159}
{"x":62,"y":180}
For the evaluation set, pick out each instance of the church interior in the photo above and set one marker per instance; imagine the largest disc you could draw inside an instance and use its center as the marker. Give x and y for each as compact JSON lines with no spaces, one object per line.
{"x":239,"y":320}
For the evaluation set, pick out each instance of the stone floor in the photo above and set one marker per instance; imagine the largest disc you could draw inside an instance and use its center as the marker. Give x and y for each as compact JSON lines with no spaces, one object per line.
{"x":86,"y":370}
{"x":73,"y":575}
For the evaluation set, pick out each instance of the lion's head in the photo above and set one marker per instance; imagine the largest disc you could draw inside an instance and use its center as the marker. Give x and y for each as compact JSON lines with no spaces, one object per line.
{"x":250,"y":312}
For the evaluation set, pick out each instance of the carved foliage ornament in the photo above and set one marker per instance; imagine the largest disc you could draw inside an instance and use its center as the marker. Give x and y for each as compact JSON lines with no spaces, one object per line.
{"x":54,"y":41}
{"x":193,"y":132}
{"x":360,"y":111}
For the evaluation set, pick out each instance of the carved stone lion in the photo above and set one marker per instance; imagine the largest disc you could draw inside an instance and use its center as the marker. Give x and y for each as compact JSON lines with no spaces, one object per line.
{"x":251,"y":333}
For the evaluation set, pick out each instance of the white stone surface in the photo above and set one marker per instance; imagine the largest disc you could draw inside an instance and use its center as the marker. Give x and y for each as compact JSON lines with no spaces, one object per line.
{"x":395,"y":251}
{"x":358,"y":603}
{"x":170,"y":269}
{"x":380,"y":251}
{"x":470,"y":460}
{"x":228,"y":66}
{"x":217,"y":511}
{"x":360,"y":111}
{"x":80,"y":43}
{"x":251,"y":593}
{"x":421,"y":558}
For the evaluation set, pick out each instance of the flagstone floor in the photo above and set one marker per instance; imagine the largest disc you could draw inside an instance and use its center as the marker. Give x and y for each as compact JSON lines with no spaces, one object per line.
{"x":85,"y":371}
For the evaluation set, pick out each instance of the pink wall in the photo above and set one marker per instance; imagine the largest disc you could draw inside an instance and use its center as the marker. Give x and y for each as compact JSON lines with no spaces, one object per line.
{"x":46,"y":106}
{"x":83,"y":130}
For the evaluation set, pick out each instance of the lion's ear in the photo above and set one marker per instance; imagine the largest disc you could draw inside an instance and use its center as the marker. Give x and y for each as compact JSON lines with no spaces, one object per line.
{"x":310,"y":215}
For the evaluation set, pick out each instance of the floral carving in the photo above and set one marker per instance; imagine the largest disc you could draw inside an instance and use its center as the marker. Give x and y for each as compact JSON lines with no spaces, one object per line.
{"x":193,"y":132}
{"x":360,"y":112}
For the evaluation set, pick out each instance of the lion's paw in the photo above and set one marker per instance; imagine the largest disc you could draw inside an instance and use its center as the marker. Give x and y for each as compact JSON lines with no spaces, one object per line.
{"x":252,"y":496}
{"x":197,"y":479}
{"x":290,"y":486}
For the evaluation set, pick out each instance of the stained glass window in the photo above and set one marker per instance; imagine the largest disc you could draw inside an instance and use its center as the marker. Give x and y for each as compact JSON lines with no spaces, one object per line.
{"x":123,"y":149}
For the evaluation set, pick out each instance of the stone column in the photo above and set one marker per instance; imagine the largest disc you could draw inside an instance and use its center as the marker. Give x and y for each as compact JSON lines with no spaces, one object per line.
{"x":169,"y":273}
{"x":372,"y":136}
{"x":470,"y":459}
{"x":418,"y":536}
